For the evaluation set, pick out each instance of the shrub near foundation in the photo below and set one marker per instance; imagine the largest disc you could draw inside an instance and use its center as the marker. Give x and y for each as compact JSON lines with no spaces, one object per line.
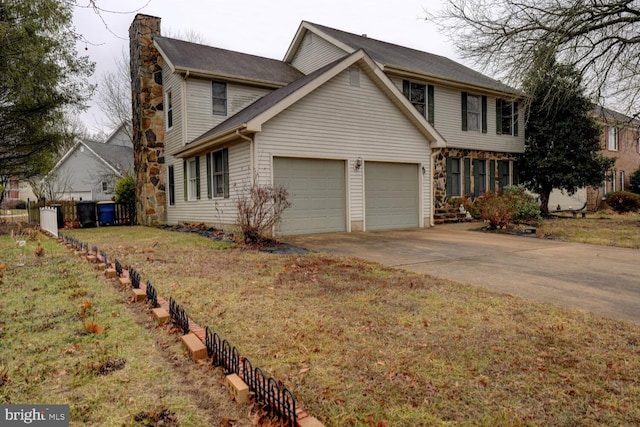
{"x":623,"y":201}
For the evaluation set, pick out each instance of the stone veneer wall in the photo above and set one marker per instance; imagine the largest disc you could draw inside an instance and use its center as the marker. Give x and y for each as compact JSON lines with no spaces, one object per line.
{"x":148,"y":121}
{"x":440,"y":169}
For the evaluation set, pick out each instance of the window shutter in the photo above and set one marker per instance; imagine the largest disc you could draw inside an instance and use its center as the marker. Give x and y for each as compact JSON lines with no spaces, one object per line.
{"x":209,"y":189}
{"x":431,"y":104}
{"x":184,"y":176}
{"x":464,"y":110}
{"x":406,"y":89}
{"x":467,"y":176}
{"x":515,"y":119}
{"x":515,"y":179}
{"x":448,"y":175}
{"x":499,"y":116}
{"x":492,"y":175}
{"x":225,"y":167}
{"x":484,"y":114}
{"x":198,"y":177}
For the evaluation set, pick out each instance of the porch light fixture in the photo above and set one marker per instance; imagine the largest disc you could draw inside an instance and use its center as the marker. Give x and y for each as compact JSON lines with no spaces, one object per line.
{"x":358,"y":163}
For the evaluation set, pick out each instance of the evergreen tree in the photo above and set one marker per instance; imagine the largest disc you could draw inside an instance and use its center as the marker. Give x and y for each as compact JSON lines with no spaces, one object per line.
{"x":41,"y":78}
{"x":562,"y":142}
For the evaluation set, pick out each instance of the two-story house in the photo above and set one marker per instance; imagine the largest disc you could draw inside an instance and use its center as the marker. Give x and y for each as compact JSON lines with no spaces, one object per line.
{"x":620,"y":140}
{"x":364,"y":134}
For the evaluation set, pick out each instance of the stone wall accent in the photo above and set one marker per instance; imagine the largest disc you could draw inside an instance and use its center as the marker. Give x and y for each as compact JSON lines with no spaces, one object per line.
{"x":148,"y":121}
{"x":440,"y":169}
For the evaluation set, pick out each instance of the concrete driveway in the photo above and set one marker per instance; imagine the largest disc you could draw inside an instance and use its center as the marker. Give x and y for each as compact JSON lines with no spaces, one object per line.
{"x":602,"y":280}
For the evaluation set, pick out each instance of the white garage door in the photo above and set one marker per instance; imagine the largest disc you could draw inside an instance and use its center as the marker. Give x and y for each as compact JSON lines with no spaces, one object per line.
{"x":391,"y":195}
{"x":317,"y":192}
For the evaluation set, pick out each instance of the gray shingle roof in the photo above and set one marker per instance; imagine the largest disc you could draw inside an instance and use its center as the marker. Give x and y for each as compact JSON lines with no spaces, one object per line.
{"x":610,"y":116}
{"x":397,"y":56}
{"x":120,"y":157}
{"x":211,"y":60}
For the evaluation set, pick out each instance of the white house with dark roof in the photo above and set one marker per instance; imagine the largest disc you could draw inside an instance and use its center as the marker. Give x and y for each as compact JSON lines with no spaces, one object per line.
{"x":365,"y":135}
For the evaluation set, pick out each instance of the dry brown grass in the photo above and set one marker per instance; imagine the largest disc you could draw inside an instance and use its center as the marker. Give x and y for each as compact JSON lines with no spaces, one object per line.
{"x":360,"y":344}
{"x":603,"y":228}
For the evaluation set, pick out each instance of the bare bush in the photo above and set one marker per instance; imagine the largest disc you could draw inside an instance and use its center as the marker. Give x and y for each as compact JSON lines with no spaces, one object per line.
{"x":260,"y":210}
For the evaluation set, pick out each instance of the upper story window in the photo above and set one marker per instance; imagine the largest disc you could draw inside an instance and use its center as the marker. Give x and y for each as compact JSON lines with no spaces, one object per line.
{"x":219,"y":98}
{"x":218,"y":173}
{"x":506,"y":117}
{"x":612,"y":138}
{"x":474,"y":113}
{"x":169,"y":103}
{"x":421,"y":96}
{"x":105,"y":186}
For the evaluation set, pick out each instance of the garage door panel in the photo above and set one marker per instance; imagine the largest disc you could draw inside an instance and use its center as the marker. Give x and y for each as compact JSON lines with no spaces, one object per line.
{"x":391,"y":195}
{"x":317,"y":192}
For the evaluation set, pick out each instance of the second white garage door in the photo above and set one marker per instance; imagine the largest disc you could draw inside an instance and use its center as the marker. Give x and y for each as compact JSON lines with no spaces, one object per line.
{"x":391,"y":195}
{"x":317,"y":193}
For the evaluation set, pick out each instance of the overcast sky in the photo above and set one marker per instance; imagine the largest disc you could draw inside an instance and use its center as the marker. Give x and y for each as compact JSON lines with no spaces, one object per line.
{"x":259,"y":27}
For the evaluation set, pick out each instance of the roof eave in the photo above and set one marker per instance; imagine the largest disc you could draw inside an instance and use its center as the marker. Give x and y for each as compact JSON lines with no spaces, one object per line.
{"x":206,"y":143}
{"x":192,"y":72}
{"x":402,"y":72}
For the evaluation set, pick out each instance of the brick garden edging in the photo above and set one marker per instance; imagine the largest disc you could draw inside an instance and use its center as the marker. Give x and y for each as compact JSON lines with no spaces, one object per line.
{"x":201,"y":343}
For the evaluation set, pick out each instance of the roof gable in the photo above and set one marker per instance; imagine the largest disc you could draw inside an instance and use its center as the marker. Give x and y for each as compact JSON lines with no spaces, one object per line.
{"x":402,"y":60}
{"x":213,"y":62}
{"x":251,"y":119}
{"x":118,"y":159}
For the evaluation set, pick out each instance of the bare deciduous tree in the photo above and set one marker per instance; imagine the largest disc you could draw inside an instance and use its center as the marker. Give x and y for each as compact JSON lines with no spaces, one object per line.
{"x":600,"y":39}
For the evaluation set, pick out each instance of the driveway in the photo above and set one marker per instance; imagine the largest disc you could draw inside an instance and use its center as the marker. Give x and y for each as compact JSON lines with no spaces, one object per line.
{"x":599,"y":279}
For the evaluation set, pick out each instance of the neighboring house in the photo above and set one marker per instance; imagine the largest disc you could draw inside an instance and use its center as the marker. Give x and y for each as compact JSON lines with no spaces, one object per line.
{"x":90,"y":169}
{"x":364,"y":134}
{"x":620,"y":139}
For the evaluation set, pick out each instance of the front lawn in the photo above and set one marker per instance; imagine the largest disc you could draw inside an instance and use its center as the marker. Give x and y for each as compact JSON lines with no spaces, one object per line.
{"x":361,"y":344}
{"x":68,"y":337}
{"x":601,"y":228}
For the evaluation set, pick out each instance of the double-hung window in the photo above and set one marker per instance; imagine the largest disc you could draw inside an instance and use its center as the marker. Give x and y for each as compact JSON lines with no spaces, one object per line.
{"x":218,"y":173}
{"x":192,"y":179}
{"x":169,"y":102}
{"x":474,"y":113}
{"x":506,"y":117}
{"x":421,"y":97}
{"x":612,"y":138}
{"x":219,"y":98}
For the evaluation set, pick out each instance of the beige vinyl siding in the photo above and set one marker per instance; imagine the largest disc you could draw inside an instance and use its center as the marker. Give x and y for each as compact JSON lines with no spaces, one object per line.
{"x":448,"y":121}
{"x":173,"y":82}
{"x":314,"y":53}
{"x":200,"y":105}
{"x":344,"y":122}
{"x":448,"y":112}
{"x":216,"y":210}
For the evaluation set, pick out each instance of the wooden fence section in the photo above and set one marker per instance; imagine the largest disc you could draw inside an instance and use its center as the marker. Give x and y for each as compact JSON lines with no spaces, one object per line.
{"x":70,"y":216}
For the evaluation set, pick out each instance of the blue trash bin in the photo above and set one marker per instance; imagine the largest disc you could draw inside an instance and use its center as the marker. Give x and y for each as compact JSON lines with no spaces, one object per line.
{"x":107,"y":213}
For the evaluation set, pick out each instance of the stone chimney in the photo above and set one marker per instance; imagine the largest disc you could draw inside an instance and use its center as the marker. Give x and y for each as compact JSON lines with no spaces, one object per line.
{"x":148,"y":121}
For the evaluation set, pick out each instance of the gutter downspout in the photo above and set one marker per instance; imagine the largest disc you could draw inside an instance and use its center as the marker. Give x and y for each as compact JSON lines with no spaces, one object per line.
{"x":251,"y":156}
{"x":433,"y":200}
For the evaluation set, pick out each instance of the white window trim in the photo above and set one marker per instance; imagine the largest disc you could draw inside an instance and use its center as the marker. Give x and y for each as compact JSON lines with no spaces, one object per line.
{"x":169,"y":104}
{"x":612,"y":138}
{"x":478,"y":113}
{"x":192,"y":181}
